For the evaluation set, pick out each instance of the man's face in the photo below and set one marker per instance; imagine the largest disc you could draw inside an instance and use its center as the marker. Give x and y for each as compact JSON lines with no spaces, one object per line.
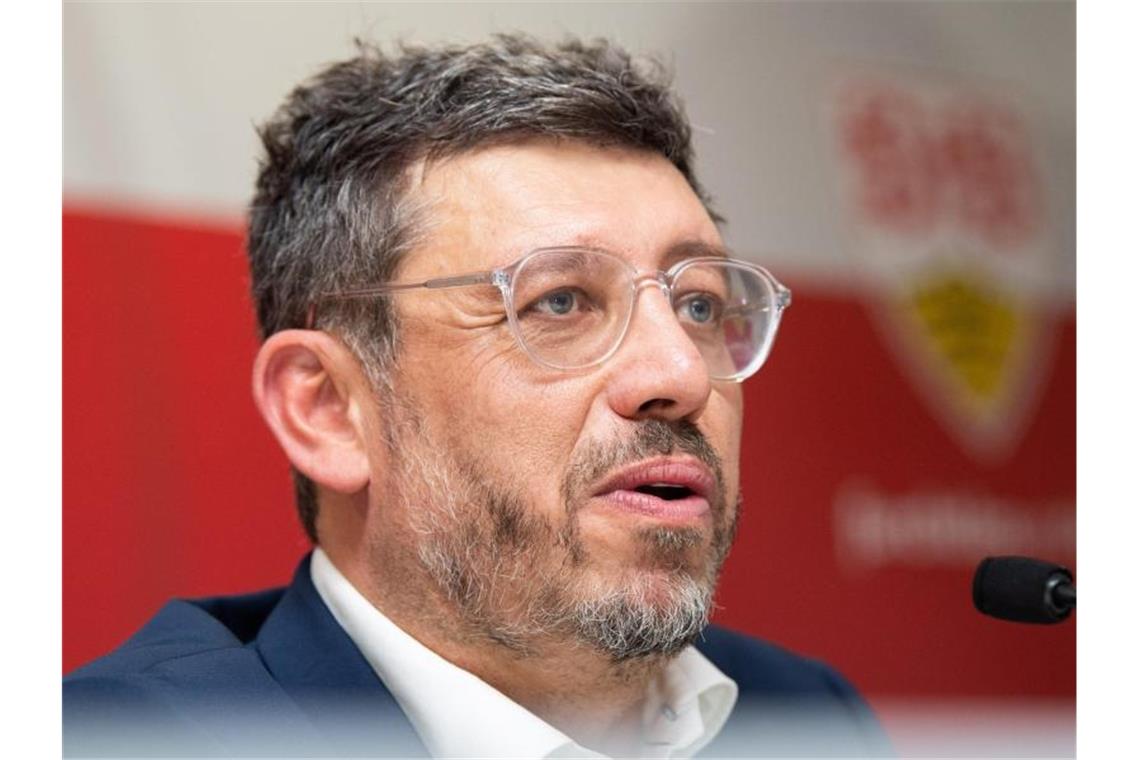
{"x":532,"y":496}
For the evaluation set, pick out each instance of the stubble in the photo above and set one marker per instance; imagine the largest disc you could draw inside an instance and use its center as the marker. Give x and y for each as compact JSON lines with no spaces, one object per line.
{"x":517,"y":579}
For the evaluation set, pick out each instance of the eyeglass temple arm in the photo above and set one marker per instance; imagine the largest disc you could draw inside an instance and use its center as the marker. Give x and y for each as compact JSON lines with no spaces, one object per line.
{"x":458,"y":281}
{"x":783,"y":301}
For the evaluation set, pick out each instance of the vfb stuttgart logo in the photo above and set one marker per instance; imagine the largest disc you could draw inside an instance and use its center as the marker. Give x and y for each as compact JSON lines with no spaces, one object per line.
{"x":947,"y":211}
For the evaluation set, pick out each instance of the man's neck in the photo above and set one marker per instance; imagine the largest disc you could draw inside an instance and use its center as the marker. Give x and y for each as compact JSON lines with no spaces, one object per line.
{"x":575,"y":688}
{"x":580,"y":692}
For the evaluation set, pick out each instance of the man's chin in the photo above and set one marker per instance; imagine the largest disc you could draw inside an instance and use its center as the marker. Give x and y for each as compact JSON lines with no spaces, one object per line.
{"x":645,"y":612}
{"x":654,"y":564}
{"x":662,"y":589}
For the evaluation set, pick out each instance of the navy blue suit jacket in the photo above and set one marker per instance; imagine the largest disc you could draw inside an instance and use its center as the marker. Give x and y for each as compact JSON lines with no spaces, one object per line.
{"x":273,"y":673}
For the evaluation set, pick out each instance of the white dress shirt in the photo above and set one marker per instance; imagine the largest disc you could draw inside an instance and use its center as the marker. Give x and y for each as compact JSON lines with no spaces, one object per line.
{"x":457,"y":714}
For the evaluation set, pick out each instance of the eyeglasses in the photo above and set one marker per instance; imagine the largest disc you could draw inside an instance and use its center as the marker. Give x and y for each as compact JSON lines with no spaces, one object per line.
{"x":570,"y":308}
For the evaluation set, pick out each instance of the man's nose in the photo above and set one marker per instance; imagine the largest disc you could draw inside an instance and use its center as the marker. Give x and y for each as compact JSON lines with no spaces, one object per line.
{"x":658,"y":371}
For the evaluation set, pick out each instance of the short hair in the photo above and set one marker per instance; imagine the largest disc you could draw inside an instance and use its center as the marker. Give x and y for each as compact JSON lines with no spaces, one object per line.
{"x":331,"y":212}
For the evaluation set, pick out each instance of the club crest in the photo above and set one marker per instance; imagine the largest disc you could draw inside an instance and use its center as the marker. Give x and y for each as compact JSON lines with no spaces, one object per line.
{"x":949,"y":229}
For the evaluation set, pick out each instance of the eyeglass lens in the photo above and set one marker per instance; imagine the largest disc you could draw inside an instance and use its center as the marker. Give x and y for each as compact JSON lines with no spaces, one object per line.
{"x":572,"y":308}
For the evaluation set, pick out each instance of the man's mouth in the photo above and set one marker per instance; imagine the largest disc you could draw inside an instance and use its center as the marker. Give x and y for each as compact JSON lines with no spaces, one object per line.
{"x":667,"y":488}
{"x":666,"y":491}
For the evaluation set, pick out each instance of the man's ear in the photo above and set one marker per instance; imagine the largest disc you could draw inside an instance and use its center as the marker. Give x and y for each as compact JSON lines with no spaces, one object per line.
{"x":311,"y":390}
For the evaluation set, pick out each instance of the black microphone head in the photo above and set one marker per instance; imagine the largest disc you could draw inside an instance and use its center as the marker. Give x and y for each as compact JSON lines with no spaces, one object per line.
{"x":1020,"y":589}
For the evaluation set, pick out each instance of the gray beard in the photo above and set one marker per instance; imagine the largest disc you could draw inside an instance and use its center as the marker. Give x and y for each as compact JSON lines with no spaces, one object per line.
{"x":625,"y":625}
{"x":518,"y":581}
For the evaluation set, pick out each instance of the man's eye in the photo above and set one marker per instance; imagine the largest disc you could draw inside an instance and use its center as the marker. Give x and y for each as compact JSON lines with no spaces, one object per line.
{"x":700,"y":308}
{"x":559,"y":302}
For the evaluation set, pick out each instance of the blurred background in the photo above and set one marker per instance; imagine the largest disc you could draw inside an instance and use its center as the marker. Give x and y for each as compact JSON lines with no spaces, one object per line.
{"x":908,"y":169}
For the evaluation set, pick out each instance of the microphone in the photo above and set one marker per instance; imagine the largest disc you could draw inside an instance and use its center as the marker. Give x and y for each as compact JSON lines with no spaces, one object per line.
{"x":1024,"y":590}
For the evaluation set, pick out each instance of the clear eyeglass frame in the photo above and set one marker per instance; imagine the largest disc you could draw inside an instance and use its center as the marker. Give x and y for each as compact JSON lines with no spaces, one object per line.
{"x":774,"y":299}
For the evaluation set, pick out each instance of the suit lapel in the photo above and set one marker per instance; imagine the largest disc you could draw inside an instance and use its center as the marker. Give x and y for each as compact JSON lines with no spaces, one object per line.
{"x":321,"y":669}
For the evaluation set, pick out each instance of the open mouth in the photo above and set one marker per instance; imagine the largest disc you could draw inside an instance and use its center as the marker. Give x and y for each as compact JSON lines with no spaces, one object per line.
{"x":667,"y":488}
{"x":666,"y":491}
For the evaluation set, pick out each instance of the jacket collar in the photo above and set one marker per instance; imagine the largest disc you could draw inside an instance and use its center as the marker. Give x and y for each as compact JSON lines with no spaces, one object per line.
{"x":320,"y":668}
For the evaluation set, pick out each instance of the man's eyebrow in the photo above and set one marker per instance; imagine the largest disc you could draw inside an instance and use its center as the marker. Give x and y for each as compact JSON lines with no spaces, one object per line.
{"x":685,"y":249}
{"x":691,"y":249}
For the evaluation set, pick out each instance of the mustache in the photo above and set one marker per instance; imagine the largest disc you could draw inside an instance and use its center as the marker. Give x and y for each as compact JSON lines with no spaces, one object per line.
{"x":649,"y":438}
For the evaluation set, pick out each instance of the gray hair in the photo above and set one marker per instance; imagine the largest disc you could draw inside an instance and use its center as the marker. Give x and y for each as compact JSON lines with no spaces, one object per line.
{"x":331,"y":209}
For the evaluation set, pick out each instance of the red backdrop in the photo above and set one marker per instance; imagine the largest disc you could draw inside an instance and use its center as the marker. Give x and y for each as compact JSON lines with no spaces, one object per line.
{"x":173,"y":486}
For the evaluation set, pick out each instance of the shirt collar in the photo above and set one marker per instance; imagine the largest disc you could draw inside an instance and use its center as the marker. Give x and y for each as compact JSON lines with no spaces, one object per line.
{"x":458,"y":714}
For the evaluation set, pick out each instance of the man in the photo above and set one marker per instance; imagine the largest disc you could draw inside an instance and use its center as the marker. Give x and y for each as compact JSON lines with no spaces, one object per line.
{"x":503,"y":347}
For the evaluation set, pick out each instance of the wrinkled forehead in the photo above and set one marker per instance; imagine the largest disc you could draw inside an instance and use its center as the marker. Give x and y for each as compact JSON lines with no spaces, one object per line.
{"x":486,"y":208}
